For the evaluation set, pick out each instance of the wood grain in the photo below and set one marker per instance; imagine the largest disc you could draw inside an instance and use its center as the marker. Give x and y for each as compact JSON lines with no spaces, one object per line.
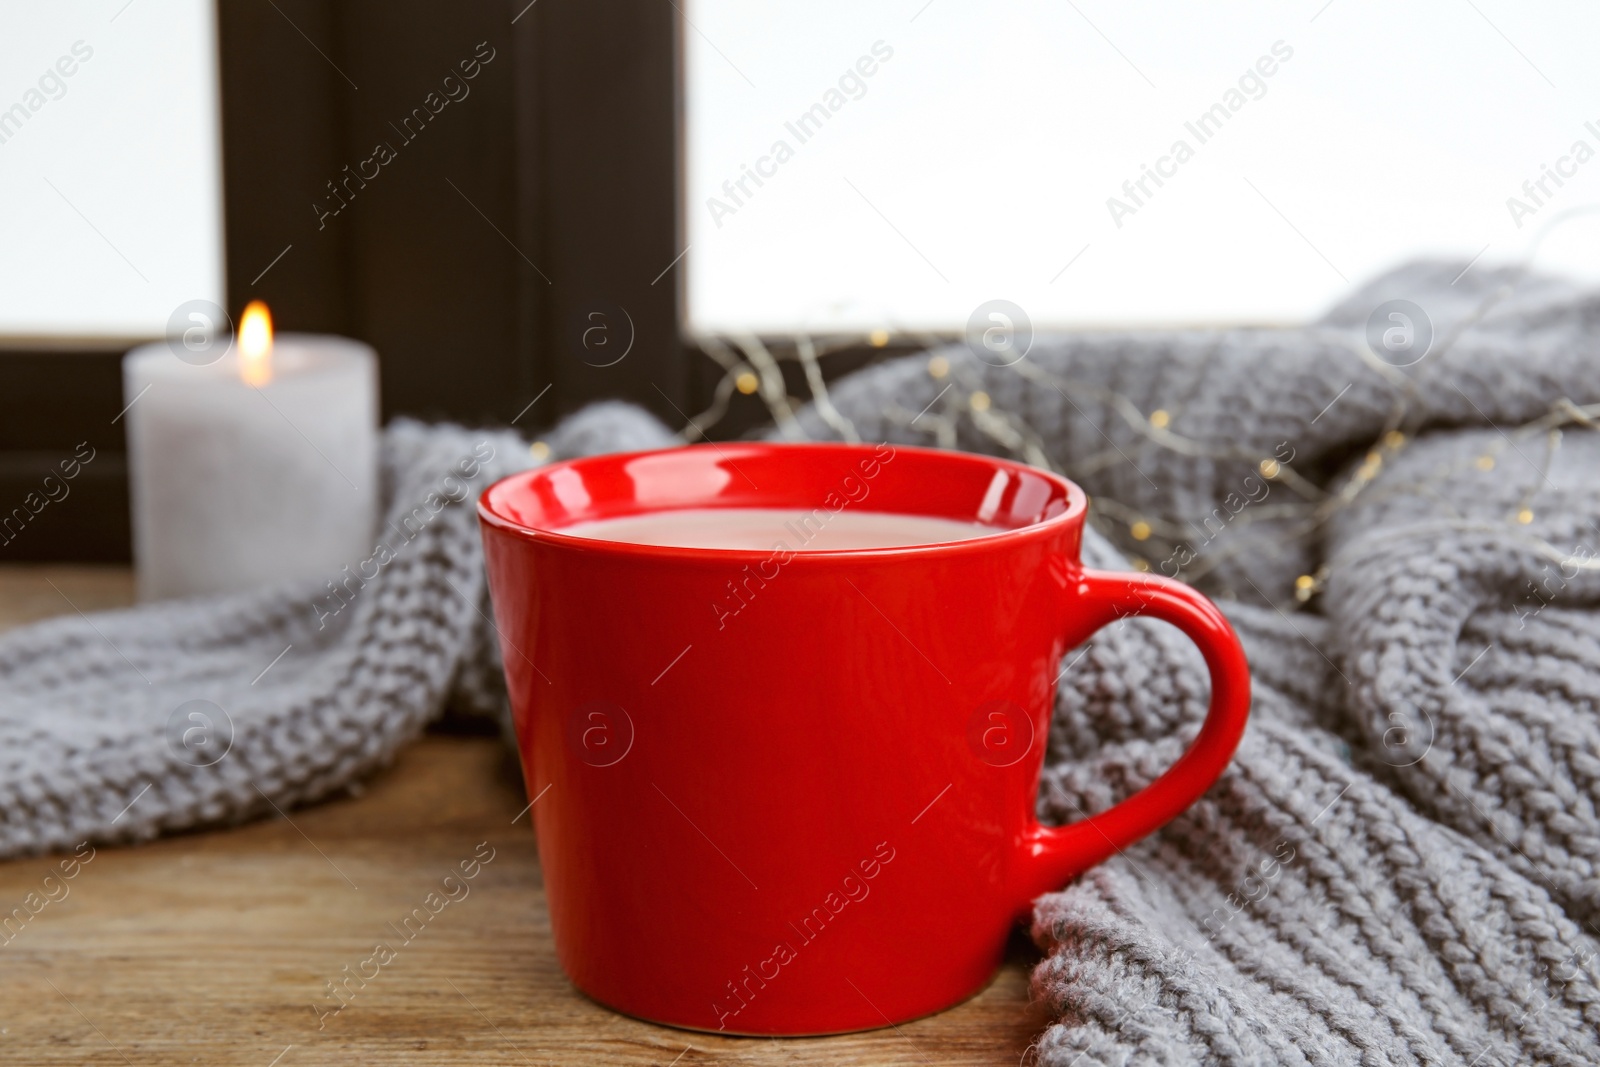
{"x":29,"y":592}
{"x":216,"y":947}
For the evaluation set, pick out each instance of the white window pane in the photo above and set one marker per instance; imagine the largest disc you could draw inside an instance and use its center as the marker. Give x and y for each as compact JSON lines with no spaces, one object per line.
{"x":979,"y":159}
{"x":110,"y":166}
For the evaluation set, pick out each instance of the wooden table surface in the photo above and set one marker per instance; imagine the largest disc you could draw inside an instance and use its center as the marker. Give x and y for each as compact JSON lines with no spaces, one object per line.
{"x":214,"y":947}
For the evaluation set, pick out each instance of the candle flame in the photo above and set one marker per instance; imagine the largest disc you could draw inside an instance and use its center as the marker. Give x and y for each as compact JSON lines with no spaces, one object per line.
{"x":255,"y":344}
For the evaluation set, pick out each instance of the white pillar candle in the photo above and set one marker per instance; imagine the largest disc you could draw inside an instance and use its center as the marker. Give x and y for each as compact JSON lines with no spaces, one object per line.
{"x":251,"y":469}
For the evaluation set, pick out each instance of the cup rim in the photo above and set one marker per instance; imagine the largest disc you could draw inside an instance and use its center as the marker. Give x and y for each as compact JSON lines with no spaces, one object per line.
{"x":1073,"y":515}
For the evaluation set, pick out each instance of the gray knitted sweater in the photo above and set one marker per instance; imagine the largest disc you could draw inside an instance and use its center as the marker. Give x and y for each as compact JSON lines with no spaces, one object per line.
{"x":1399,"y":867}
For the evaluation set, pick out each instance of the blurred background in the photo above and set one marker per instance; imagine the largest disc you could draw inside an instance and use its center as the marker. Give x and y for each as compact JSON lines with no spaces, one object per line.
{"x":527,"y":206}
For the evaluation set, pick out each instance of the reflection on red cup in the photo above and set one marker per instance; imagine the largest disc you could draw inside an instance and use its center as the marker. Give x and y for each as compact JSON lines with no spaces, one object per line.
{"x":818,"y":817}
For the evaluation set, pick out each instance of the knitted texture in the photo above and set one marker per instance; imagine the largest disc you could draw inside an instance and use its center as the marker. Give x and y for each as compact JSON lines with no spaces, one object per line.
{"x":1398,"y":867}
{"x":302,"y":689}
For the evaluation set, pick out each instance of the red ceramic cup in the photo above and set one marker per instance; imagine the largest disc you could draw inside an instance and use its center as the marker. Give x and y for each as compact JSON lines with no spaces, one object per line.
{"x":786,"y":792}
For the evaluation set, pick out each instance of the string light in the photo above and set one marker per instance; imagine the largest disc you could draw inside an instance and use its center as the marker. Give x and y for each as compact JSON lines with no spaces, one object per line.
{"x":962,"y":402}
{"x":1317,"y":505}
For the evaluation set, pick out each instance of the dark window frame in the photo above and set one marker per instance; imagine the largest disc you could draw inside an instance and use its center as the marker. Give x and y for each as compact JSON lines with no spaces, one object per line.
{"x":474,"y":264}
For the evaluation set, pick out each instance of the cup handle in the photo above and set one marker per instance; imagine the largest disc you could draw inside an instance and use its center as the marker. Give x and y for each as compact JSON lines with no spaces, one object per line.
{"x":1050,"y":856}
